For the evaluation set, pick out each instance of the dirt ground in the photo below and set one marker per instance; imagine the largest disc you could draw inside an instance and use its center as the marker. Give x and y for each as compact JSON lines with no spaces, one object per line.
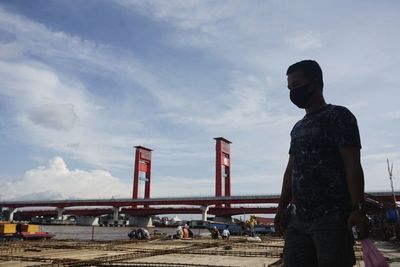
{"x":238,"y":251}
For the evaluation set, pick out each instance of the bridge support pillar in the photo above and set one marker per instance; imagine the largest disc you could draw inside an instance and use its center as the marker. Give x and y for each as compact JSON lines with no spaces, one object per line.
{"x":60,"y":213}
{"x":116,"y":214}
{"x":87,"y":220}
{"x":141,"y":221}
{"x":204,"y":210}
{"x":11,"y":216}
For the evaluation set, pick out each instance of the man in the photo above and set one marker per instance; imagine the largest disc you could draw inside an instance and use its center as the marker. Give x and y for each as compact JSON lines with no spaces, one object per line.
{"x":225,"y":234}
{"x":185,"y":231}
{"x":323,"y":181}
{"x":179,"y":232}
{"x":214,"y":232}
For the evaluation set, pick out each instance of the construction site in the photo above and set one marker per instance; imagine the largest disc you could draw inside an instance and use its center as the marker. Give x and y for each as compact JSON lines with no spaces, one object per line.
{"x":158,"y":251}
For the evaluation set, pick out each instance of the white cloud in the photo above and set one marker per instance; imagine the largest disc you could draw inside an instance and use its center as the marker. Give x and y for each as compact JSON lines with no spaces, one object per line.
{"x":305,"y":40}
{"x":395,"y":114}
{"x":43,"y":102}
{"x":241,"y":103}
{"x":54,"y":116}
{"x":244,"y":106}
{"x":40,"y":83}
{"x":170,"y":186}
{"x":40,"y":195}
{"x":358,"y":105}
{"x":66,"y":55}
{"x":382,"y":156}
{"x":374,"y":161}
{"x":9,"y":51}
{"x":57,"y":181}
{"x":187,"y":15}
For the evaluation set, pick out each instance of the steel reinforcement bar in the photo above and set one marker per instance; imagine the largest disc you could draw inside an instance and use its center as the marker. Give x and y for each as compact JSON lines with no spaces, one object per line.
{"x":103,"y":260}
{"x":237,"y":253}
{"x":158,"y":264}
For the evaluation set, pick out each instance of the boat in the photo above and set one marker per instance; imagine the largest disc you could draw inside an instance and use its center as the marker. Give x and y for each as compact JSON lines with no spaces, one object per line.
{"x":19,"y":231}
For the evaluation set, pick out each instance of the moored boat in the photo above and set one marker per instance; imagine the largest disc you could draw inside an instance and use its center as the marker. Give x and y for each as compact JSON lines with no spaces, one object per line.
{"x":18,"y":231}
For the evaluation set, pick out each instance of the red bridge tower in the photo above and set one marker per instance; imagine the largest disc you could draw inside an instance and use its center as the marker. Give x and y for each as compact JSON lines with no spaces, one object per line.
{"x":223,"y":168}
{"x":142,"y":172}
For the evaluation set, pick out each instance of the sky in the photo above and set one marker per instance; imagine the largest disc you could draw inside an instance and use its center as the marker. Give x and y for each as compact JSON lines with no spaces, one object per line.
{"x":84,"y":81}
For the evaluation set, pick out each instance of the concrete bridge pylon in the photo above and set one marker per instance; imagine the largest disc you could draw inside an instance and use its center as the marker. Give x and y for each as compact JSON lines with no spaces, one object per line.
{"x":204,"y":210}
{"x":60,"y":212}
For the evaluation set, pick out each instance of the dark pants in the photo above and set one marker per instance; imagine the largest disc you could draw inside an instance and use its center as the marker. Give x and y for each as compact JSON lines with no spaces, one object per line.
{"x":322,"y":242}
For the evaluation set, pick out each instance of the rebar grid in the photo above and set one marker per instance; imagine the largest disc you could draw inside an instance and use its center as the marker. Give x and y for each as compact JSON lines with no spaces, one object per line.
{"x":159,"y":264}
{"x":135,"y":252}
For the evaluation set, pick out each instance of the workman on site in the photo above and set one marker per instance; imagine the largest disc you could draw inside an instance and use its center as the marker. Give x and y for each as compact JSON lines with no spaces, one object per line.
{"x":225,"y":233}
{"x":214,"y":232}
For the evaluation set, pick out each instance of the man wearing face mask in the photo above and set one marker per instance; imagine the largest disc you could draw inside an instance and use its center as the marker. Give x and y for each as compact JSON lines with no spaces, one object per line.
{"x":324,"y":182}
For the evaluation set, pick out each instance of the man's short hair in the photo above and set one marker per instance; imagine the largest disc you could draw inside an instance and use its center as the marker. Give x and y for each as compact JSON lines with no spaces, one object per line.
{"x":310,"y":68}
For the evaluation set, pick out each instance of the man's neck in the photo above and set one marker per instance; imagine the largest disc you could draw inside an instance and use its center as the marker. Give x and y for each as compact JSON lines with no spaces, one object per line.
{"x":316,"y":105}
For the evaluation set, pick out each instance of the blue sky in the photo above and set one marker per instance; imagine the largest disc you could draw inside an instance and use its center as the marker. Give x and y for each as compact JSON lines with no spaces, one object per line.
{"x":82,"y":82}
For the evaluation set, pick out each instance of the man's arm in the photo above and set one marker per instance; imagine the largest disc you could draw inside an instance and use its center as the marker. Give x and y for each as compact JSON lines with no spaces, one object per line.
{"x":354,"y":173}
{"x":355,"y":183}
{"x":286,"y":195}
{"x":286,"y":192}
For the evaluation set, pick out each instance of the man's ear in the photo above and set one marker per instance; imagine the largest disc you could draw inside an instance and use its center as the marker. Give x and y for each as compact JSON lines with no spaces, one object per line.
{"x":317,"y":85}
{"x":312,"y":86}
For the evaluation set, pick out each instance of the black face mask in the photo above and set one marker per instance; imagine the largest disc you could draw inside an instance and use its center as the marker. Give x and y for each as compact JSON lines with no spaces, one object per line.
{"x":300,"y":95}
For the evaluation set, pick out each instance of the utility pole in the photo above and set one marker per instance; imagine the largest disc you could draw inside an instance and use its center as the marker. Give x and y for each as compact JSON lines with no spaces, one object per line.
{"x":396,"y":211}
{"x":390,"y":170}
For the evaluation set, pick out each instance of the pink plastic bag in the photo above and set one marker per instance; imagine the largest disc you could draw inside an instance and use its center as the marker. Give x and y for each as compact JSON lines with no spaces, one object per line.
{"x":371,"y":255}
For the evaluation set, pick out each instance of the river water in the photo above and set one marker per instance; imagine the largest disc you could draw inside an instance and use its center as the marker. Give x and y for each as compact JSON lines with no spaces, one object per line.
{"x":104,"y":233}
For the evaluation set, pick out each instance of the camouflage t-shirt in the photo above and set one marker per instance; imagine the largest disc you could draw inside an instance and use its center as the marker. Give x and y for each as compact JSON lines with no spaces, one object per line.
{"x":319,"y":183}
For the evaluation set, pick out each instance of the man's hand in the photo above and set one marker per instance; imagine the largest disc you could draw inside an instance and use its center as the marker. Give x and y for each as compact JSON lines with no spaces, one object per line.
{"x":279,"y":222}
{"x":360,"y":220}
{"x":286,"y":195}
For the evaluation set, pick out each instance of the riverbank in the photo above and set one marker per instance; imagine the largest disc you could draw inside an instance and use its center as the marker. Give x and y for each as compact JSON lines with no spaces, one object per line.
{"x":97,"y":233}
